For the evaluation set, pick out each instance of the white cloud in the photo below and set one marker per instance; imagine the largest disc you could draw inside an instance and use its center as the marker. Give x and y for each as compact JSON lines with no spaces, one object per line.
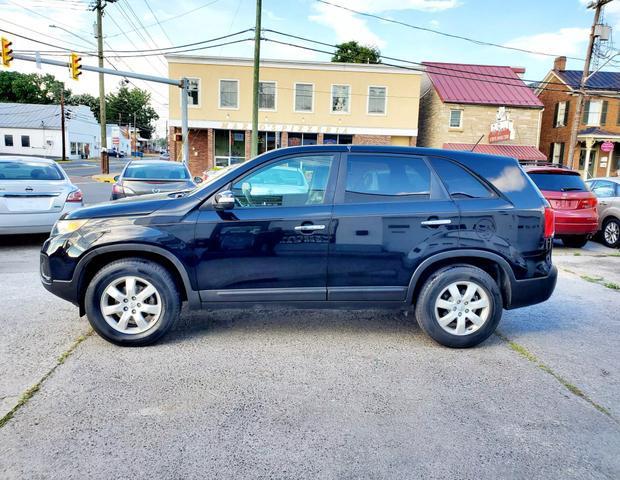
{"x":349,"y":26}
{"x":434,"y":23}
{"x":565,"y":41}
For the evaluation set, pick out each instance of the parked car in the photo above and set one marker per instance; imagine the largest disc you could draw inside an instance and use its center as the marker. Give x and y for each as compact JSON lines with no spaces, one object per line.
{"x":457,"y":236}
{"x":164,"y":156}
{"x":576,"y":218}
{"x":34,"y":193}
{"x":116,"y":153}
{"x":140,"y":177}
{"x":607,"y":190}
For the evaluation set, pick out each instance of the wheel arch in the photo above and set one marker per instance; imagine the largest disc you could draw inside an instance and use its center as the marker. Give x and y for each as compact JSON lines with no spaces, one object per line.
{"x":94,"y":260}
{"x":493,"y":264}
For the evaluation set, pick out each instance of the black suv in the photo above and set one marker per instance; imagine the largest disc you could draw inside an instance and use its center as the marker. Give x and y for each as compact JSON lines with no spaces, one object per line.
{"x":456,"y":236}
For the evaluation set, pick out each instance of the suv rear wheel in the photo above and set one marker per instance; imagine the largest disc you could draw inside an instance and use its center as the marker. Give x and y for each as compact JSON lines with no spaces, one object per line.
{"x":459,"y":306}
{"x":611,"y":233}
{"x":132,"y":302}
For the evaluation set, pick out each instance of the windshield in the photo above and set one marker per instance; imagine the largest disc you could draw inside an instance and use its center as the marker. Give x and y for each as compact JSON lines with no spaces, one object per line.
{"x":559,"y":182}
{"x":19,"y":170}
{"x":161,"y":171}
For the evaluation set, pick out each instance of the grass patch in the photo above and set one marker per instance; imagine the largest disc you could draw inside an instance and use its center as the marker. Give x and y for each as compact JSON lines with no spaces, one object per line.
{"x":590,"y":279}
{"x":612,"y":285}
{"x":601,"y":281}
{"x":525,"y":353}
{"x":28,"y":394}
{"x":577,"y":254}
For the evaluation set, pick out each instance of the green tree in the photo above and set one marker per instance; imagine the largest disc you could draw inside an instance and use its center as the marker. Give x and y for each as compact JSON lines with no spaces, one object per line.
{"x":31,"y":88}
{"x":125,"y":103}
{"x":353,"y":52}
{"x":86,"y":99}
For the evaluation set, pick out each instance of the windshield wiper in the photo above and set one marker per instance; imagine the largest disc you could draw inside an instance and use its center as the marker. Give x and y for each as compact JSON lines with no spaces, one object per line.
{"x":570,"y":189}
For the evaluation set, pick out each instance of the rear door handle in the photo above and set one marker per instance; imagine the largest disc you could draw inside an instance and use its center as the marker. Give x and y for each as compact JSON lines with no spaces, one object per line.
{"x":434,"y":223}
{"x":309,"y":228}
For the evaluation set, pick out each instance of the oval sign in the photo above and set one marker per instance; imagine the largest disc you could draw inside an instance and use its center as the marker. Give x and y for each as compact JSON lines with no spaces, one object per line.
{"x":607,"y":146}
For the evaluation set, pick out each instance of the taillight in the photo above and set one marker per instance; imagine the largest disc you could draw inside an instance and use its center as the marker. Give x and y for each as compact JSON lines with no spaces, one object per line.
{"x":75,"y":196}
{"x":549,"y":222}
{"x":118,"y":189}
{"x":587,"y":203}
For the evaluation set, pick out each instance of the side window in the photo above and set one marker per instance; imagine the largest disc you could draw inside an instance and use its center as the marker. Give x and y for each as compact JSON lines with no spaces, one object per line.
{"x":604,"y":189}
{"x":459,"y":182}
{"x":380,"y":178}
{"x":292,"y":182}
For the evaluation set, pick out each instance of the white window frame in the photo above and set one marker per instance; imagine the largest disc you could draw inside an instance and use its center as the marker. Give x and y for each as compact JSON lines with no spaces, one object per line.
{"x":460,"y":126}
{"x":385,"y":101}
{"x":597,"y":122}
{"x":295,"y":98}
{"x":559,"y":118}
{"x":219,"y":93}
{"x":275,"y":96}
{"x":555,"y":153}
{"x":189,"y":105}
{"x":331,"y":99}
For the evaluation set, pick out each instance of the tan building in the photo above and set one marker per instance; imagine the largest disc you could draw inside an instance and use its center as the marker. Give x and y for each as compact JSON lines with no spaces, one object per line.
{"x":301,"y":103}
{"x":482,"y":107}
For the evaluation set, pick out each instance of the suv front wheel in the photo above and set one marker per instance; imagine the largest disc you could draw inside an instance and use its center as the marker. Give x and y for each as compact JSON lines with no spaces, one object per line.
{"x":132,"y":302}
{"x":459,"y":306}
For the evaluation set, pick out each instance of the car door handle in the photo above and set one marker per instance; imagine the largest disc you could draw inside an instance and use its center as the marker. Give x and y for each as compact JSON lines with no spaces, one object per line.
{"x":309,"y":228}
{"x":434,"y":223}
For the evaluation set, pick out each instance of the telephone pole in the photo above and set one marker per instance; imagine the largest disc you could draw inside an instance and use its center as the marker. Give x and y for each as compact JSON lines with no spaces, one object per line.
{"x":597,"y":6}
{"x":62,"y":122}
{"x":257,"y":31}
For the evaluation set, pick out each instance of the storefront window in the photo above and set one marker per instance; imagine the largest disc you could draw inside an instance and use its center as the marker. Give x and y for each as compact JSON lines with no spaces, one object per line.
{"x":229,"y":147}
{"x":267,"y":141}
{"x":334,"y":138}
{"x":295,"y":139}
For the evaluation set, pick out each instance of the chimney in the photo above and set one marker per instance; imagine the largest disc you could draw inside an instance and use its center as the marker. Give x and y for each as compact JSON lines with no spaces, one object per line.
{"x":559,"y":64}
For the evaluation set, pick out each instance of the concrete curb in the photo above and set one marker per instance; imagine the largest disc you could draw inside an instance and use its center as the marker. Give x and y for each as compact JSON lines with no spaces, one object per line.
{"x":104,"y":177}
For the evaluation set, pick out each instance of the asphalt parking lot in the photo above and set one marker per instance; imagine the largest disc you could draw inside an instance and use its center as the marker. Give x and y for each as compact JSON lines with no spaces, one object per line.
{"x":290,"y":394}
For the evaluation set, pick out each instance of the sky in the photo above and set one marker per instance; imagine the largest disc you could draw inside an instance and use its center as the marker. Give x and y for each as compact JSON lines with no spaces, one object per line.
{"x":554,"y":27}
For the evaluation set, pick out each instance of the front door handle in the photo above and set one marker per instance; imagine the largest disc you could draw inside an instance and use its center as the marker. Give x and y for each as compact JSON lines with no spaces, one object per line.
{"x":309,"y":228}
{"x":434,"y":223}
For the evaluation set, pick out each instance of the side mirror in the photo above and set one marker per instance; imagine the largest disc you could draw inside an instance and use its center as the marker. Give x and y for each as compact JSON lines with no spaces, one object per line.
{"x":224,"y":200}
{"x":198,"y":179}
{"x":116,"y":177}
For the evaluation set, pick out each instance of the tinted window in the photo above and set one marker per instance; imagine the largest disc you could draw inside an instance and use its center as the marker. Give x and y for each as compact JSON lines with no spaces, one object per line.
{"x":559,"y":182}
{"x":459,"y":182}
{"x":291,"y":182}
{"x":604,"y":189}
{"x":376,"y":178}
{"x":171,"y":171}
{"x":29,"y":171}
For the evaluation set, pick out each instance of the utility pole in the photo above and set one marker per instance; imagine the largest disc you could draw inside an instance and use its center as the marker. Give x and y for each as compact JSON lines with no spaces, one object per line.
{"x":597,"y":5}
{"x":135,"y":136}
{"x":257,"y":32}
{"x":62,"y":122}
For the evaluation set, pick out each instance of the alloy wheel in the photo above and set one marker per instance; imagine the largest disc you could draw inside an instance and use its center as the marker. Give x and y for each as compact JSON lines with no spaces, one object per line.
{"x":612,"y":232}
{"x":131,"y":305}
{"x":462,"y":308}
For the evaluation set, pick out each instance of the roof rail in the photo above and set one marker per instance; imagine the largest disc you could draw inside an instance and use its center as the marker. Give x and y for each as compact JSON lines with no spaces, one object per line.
{"x":539,"y":163}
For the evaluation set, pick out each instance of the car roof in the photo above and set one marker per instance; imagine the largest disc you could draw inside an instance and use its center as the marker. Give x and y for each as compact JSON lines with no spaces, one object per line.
{"x":13,"y":158}
{"x":142,"y":163}
{"x":610,"y":179}
{"x":549,"y":169}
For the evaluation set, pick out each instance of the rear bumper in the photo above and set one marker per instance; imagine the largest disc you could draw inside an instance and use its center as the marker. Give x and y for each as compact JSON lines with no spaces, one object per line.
{"x":532,"y":290}
{"x":578,"y":222}
{"x":22,"y":223}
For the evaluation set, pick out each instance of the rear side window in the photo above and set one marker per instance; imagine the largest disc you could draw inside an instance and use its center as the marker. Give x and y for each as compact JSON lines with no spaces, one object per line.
{"x":559,"y":182}
{"x":377,"y":178}
{"x":172,"y":171}
{"x":29,"y":171}
{"x":459,"y":182}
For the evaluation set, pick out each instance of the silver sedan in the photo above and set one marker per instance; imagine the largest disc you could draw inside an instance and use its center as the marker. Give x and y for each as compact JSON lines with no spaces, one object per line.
{"x":34,"y":193}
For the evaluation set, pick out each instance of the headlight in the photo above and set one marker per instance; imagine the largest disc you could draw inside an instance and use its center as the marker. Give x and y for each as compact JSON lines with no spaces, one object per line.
{"x":63,"y":227}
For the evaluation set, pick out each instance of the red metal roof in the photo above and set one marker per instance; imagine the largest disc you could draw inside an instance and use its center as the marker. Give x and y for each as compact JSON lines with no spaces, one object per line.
{"x":520,"y":152}
{"x":480,"y":84}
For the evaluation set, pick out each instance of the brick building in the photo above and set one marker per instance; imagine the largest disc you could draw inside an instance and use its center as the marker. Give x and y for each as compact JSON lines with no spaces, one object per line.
{"x":599,"y":123}
{"x":301,"y":103}
{"x":482,"y":107}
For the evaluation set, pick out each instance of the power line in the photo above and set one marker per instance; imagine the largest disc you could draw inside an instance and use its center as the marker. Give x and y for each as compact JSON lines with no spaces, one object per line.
{"x":158,"y":22}
{"x":438,"y":32}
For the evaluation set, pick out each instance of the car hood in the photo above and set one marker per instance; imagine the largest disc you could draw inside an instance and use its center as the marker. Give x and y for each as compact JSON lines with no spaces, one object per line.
{"x":142,"y":205}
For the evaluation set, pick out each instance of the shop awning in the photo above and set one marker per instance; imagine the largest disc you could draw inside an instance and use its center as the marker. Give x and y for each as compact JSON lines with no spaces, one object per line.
{"x":520,"y":152}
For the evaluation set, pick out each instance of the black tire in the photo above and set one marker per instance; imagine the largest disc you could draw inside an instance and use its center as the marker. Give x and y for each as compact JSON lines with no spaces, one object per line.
{"x":605,"y":234}
{"x":575,"y":241}
{"x":158,"y":276}
{"x":433,"y":288}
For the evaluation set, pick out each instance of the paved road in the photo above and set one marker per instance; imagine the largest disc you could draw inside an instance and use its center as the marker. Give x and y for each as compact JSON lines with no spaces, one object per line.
{"x":277,"y":394}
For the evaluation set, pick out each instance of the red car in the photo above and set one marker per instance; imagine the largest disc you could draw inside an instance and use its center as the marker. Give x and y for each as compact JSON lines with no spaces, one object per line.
{"x":574,"y":205}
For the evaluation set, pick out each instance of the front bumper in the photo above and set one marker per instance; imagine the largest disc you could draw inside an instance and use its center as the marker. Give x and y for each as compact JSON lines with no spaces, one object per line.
{"x":532,"y":290}
{"x":65,"y":289}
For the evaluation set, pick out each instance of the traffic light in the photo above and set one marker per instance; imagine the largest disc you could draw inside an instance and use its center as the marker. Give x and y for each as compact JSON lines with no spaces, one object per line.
{"x":7,"y":52}
{"x":76,"y":66}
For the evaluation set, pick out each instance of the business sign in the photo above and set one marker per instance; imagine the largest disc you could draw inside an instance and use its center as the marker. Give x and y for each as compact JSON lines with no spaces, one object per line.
{"x":116,"y":141}
{"x":502,"y":130}
{"x":607,"y":147}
